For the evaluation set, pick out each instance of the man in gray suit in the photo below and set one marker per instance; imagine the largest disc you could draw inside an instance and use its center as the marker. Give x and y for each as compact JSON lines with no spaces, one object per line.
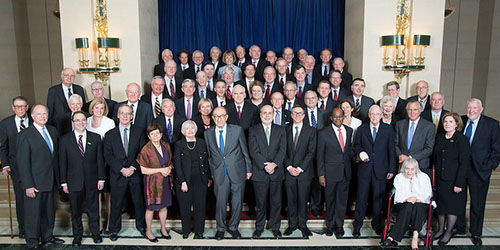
{"x":415,"y":137}
{"x":230,"y":165}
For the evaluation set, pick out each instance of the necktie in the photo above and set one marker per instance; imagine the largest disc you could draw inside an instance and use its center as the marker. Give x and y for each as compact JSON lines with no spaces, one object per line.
{"x":287,"y":70}
{"x":188,"y":112}
{"x":268,"y":90}
{"x":21,"y":125}
{"x":268,"y":135}
{"x":80,"y":145}
{"x":202,"y":94}
{"x":157,"y":107}
{"x":313,"y":120}
{"x":281,"y":81}
{"x":125,"y":141}
{"x":411,"y":132}
{"x":358,"y":106}
{"x":69,"y":92}
{"x":308,"y":78}
{"x":172,"y":90}
{"x":209,"y":84}
{"x":277,"y":119}
{"x":335,"y":96}
{"x":239,"y":64}
{"x":341,"y":140}
{"x":169,"y":130}
{"x":221,"y":147}
{"x":422,"y":105}
{"x":183,"y":67}
{"x":322,"y":105}
{"x":468,"y":131}
{"x":374,"y":134}
{"x":436,"y":122}
{"x":133,"y":113}
{"x":289,"y":106}
{"x":325,"y":72}
{"x":228,"y":94}
{"x":254,"y":64}
{"x":300,"y":92}
{"x":197,"y":69}
{"x":296,"y":137}
{"x":47,"y":140}
{"x":239,"y":111}
{"x":221,"y":103}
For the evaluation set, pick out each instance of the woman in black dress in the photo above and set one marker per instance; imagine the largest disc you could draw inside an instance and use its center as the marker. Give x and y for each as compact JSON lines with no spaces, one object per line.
{"x":203,"y":120}
{"x":191,"y":179}
{"x":451,"y":157}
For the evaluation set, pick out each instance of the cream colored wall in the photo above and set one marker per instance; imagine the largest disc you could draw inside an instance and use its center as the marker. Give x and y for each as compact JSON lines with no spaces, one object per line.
{"x":353,"y":37}
{"x":379,"y":20}
{"x":493,"y":88}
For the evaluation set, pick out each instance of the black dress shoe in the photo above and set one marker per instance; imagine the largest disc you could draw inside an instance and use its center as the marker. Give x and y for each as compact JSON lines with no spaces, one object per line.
{"x":389,"y":243}
{"x":257,"y":233}
{"x":219,"y":235}
{"x":316,"y":213}
{"x":339,"y":232}
{"x":97,"y":239}
{"x":198,"y":236}
{"x":167,"y":237}
{"x":54,"y":241}
{"x":236,"y":234}
{"x":356,"y":233}
{"x":21,"y":234}
{"x":185,"y":236}
{"x":113,"y":236}
{"x":443,"y":243}
{"x":153,"y":240}
{"x":142,"y":231}
{"x":277,"y":234}
{"x":289,"y":230}
{"x":77,"y":242}
{"x":476,"y":240}
{"x":329,"y":232}
{"x":305,"y":231}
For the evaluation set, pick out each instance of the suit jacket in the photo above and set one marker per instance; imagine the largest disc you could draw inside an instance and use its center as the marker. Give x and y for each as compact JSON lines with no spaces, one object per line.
{"x":261,"y":152}
{"x":382,"y":151}
{"x":189,"y":73}
{"x":329,"y":105}
{"x":288,"y":77}
{"x":286,"y":117}
{"x":208,"y":94}
{"x":303,"y":155}
{"x":182,"y":161}
{"x":427,"y":114}
{"x":332,"y":163}
{"x":321,"y":118}
{"x":277,"y":87}
{"x":178,"y":86}
{"x":201,"y":127}
{"x":341,"y":95}
{"x":401,"y":108}
{"x":306,"y":88}
{"x":180,"y":109}
{"x":249,"y":115}
{"x":38,"y":167}
{"x":235,"y":158}
{"x":422,"y":144}
{"x":111,"y":107}
{"x":297,"y":101}
{"x":346,"y":81}
{"x":366,"y":103}
{"x":415,"y":98}
{"x":8,"y":145}
{"x":485,"y":146}
{"x":452,"y":158}
{"x":115,"y":156}
{"x":318,"y":71}
{"x":217,"y":104}
{"x":143,"y":114}
{"x":77,"y":171}
{"x":56,"y":100}
{"x":176,"y":127}
{"x":259,"y":71}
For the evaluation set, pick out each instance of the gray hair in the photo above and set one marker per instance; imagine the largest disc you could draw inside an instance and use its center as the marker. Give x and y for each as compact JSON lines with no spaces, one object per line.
{"x":476,"y":100}
{"x":186,"y":124}
{"x":166,"y":100}
{"x":228,"y":70}
{"x":165,"y":51}
{"x":386,"y":99}
{"x":215,"y":48}
{"x":75,"y":96}
{"x":411,"y":162}
{"x":186,"y":81}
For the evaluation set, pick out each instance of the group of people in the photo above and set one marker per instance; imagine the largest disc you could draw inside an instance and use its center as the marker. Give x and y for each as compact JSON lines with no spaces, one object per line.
{"x":242,"y":129}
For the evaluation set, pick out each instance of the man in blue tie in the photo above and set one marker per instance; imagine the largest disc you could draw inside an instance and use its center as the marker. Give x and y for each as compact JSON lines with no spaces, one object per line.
{"x":170,"y":121}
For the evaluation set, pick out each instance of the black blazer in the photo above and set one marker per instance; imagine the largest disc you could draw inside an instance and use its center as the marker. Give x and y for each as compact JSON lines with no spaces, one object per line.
{"x":38,"y":167}
{"x":201,"y":127}
{"x":249,"y":115}
{"x":332,"y":163}
{"x":217,"y":104}
{"x":286,"y":117}
{"x":182,"y":161}
{"x":306,"y":88}
{"x":180,"y":108}
{"x":259,"y":71}
{"x":485,"y":146}
{"x":298,"y":102}
{"x":261,"y":152}
{"x":303,"y":155}
{"x":159,"y":69}
{"x":277,"y":87}
{"x":178,"y":86}
{"x":111,"y":107}
{"x":209,"y":94}
{"x":56,"y":100}
{"x":427,"y":114}
{"x":366,"y":103}
{"x":341,"y":95}
{"x":77,"y":171}
{"x":8,"y":145}
{"x":143,"y":114}
{"x":452,"y":158}
{"x":176,"y":127}
{"x":115,"y":156}
{"x":382,"y":151}
{"x":322,"y":118}
{"x":346,"y":82}
{"x":189,"y":73}
{"x":318,"y":71}
{"x":288,"y":77}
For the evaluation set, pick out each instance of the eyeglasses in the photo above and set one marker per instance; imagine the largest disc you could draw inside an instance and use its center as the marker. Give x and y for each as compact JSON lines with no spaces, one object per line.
{"x":219,"y":116}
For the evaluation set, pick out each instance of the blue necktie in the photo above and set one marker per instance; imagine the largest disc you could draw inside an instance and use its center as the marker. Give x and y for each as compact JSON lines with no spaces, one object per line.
{"x":169,"y":130}
{"x":314,"y":124}
{"x":411,"y":132}
{"x":47,"y":140}
{"x":277,"y":119}
{"x":221,"y":147}
{"x":374,"y":135}
{"x":290,"y":106}
{"x":468,"y":131}
{"x":202,"y":94}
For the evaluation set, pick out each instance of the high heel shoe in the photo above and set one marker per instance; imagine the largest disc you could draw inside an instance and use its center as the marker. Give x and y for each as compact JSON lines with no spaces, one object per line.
{"x":167,"y":237}
{"x":153,"y":240}
{"x":437,"y":236}
{"x":443,"y":243}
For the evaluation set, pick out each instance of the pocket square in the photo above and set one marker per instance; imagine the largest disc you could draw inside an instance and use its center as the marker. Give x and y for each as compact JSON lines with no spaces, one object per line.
{"x":89,"y":143}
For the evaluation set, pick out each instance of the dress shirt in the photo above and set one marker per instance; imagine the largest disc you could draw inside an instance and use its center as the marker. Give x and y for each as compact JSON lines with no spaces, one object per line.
{"x":376,"y":128}
{"x":241,"y":107}
{"x":270,"y":86}
{"x":299,"y":86}
{"x":290,"y":67}
{"x":323,"y":69}
{"x":219,"y":100}
{"x":106,"y":125}
{"x":167,"y":84}
{"x":198,"y":68}
{"x":292,"y":103}
{"x":299,"y":126}
{"x":419,"y":187}
{"x":255,"y":62}
{"x":122,"y":130}
{"x":416,"y":123}
{"x":217,"y":134}
{"x":134,"y":112}
{"x":309,"y":77}
{"x":210,"y":84}
{"x":282,"y":77}
{"x":356,"y":99}
{"x":438,"y":114}
{"x":153,"y":101}
{"x":280,"y":111}
{"x":249,"y":83}
{"x":315,"y":115}
{"x":424,"y":102}
{"x":39,"y":128}
{"x":474,"y":126}
{"x":17,"y":120}
{"x":324,"y":100}
{"x":241,"y":62}
{"x":333,"y":93}
{"x":215,"y":64}
{"x":184,"y":66}
{"x":65,"y":91}
{"x":204,"y":91}
{"x":344,"y":132}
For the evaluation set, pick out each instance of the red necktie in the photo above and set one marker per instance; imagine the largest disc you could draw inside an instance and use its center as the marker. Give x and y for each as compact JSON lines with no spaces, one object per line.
{"x":300,"y":92}
{"x":341,"y":140}
{"x":254,"y":64}
{"x":322,"y":105}
{"x":281,"y":81}
{"x":172,"y":90}
{"x":228,"y":94}
{"x":287,"y":70}
{"x":267,"y":92}
{"x":325,"y":73}
{"x":335,"y":96}
{"x":239,"y":111}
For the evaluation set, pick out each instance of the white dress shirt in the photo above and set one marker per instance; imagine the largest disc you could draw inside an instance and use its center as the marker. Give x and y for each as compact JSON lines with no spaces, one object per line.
{"x":17,"y":120}
{"x":65,"y":91}
{"x":294,"y":132}
{"x":217,"y":134}
{"x":167,"y":84}
{"x":419,"y":187}
{"x":153,"y":101}
{"x":343,"y":130}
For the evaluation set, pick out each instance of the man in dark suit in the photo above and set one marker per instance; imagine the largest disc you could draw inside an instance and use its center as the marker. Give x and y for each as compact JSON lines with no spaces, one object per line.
{"x":322,"y":71}
{"x":339,"y":64}
{"x":9,"y":129}
{"x":142,"y":115}
{"x":248,"y":80}
{"x":97,"y":91}
{"x":484,"y":137}
{"x":81,"y":163}
{"x":271,"y":57}
{"x":215,"y":58}
{"x":58,"y":95}
{"x":301,"y":150}
{"x":270,"y":85}
{"x":292,"y":100}
{"x":170,"y":122}
{"x":187,"y":106}
{"x":220,"y":99}
{"x":267,"y":147}
{"x":311,"y":79}
{"x":209,"y":70}
{"x":63,"y":122}
{"x":241,"y":113}
{"x":302,"y":85}
{"x":393,"y":89}
{"x":121,"y":146}
{"x":361,"y":102}
{"x":159,"y":69}
{"x":259,"y":64}
{"x":157,"y":94}
{"x":334,"y":155}
{"x":415,"y":138}
{"x":375,"y":149}
{"x":281,"y":70}
{"x":202,"y":91}
{"x":37,"y":148}
{"x":281,"y":116}
{"x":301,"y":56}
{"x":288,"y":55}
{"x":173,"y":83}
{"x":325,"y":102}
{"x":337,"y":92}
{"x":436,"y":112}
{"x":241,"y":55}
{"x":422,"y":96}
{"x":190,"y":73}
{"x":230,"y":166}
{"x":183,"y":57}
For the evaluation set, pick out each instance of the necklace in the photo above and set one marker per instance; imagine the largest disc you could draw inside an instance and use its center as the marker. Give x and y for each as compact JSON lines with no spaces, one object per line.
{"x":191,"y":148}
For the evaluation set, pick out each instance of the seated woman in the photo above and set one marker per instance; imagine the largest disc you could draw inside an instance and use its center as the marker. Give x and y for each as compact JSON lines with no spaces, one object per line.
{"x":155,"y":160}
{"x":412,"y":197}
{"x":191,"y":179}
